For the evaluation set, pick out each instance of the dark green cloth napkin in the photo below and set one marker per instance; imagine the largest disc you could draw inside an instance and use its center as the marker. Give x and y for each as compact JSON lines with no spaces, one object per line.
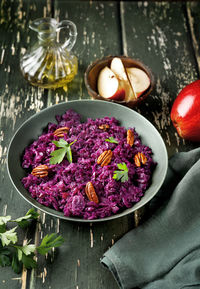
{"x":164,"y":252}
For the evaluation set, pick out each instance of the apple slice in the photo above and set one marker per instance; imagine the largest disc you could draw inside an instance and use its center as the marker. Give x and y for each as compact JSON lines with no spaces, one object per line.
{"x":109,"y":86}
{"x":139,"y":80}
{"x":118,"y":68}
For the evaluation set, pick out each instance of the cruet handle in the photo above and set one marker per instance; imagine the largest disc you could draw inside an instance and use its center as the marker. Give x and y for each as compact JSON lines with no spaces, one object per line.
{"x":72,"y":32}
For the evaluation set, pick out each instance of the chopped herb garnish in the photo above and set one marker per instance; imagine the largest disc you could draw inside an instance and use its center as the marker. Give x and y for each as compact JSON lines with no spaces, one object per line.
{"x":111,"y":139}
{"x":122,"y":174}
{"x":18,"y":256}
{"x":58,"y":155}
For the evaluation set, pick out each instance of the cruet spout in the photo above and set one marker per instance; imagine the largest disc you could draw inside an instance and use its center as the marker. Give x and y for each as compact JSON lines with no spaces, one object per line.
{"x":45,"y":25}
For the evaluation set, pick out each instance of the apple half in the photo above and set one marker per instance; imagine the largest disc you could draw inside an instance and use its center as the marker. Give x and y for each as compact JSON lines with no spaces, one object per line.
{"x":139,"y":80}
{"x":109,"y":86}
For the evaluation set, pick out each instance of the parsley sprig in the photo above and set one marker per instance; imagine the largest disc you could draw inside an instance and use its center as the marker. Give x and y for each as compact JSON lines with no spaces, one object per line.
{"x":65,"y":149}
{"x":17,"y":256}
{"x":122,"y":174}
{"x":111,"y":139}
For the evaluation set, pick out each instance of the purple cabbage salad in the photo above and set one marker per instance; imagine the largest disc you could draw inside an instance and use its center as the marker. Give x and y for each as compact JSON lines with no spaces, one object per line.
{"x":118,"y":185}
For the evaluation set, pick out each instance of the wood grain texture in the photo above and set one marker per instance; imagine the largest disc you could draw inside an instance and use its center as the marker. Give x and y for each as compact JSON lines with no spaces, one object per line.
{"x":18,"y":101}
{"x":165,"y":37}
{"x":193,"y":15}
{"x":158,"y":34}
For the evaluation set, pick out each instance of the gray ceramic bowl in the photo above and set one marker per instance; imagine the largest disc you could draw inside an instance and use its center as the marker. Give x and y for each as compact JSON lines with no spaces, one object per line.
{"x":34,"y":126}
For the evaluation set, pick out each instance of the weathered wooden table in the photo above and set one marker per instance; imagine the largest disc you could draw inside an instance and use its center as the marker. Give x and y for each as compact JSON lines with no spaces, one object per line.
{"x":165,"y":36}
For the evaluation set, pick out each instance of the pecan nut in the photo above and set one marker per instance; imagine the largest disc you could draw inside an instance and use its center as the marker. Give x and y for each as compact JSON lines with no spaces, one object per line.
{"x":130,"y":137}
{"x":59,"y":132}
{"x":105,"y":158}
{"x":40,"y":171}
{"x":90,"y":192}
{"x":104,"y":126}
{"x":139,"y":159}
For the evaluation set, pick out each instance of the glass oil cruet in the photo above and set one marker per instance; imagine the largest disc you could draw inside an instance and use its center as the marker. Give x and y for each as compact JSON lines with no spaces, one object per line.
{"x":49,"y":63}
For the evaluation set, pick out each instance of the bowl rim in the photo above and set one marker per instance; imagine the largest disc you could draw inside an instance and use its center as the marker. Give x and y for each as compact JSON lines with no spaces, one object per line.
{"x":60,"y":214}
{"x":133,"y":103}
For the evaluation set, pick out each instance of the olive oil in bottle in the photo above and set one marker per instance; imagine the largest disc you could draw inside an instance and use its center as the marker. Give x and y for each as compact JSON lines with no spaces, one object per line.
{"x":48,"y":63}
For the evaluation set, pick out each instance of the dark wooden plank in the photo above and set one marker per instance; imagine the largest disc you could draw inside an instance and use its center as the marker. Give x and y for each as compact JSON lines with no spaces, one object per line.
{"x":193,"y":14}
{"x":158,"y":34}
{"x":18,"y":100}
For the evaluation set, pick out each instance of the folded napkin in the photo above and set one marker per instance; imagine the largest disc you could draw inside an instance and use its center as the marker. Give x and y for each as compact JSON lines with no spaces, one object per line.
{"x":164,"y":252}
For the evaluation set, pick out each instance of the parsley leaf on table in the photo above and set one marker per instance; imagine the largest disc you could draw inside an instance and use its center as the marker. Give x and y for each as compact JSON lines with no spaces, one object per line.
{"x":4,"y":257}
{"x":65,"y":149}
{"x":16,"y":264}
{"x":23,"y":255}
{"x":23,"y":221}
{"x":26,"y":249}
{"x":28,"y":261}
{"x":122,"y":174}
{"x":33,"y":213}
{"x":16,"y":256}
{"x":111,"y":139}
{"x":4,"y":220}
{"x":8,"y":237}
{"x":48,"y":242}
{"x":26,"y":255}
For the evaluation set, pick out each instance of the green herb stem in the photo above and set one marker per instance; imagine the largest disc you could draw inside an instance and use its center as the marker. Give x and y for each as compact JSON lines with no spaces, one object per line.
{"x":111,"y":140}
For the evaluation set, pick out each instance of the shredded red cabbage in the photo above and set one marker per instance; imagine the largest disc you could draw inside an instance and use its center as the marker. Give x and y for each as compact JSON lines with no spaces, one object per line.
{"x":64,"y":187}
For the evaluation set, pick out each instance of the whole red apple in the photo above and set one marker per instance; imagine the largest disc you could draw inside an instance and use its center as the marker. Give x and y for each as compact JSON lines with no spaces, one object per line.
{"x":185,"y":113}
